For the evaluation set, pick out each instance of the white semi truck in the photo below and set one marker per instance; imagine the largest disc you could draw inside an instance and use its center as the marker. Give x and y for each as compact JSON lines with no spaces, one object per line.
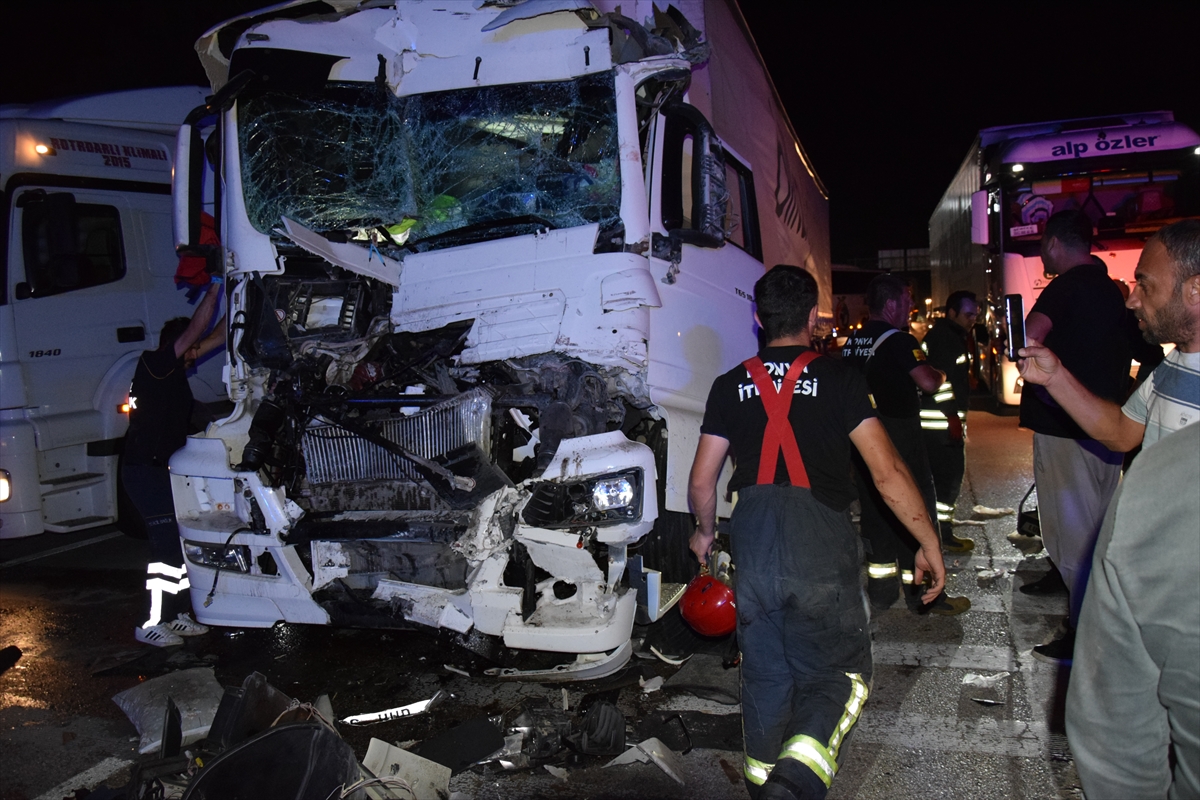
{"x":1132,"y":174}
{"x":86,"y":268}
{"x":486,"y":260}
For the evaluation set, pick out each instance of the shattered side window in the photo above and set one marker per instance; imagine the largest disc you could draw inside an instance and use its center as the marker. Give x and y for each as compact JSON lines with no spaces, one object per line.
{"x":353,"y":158}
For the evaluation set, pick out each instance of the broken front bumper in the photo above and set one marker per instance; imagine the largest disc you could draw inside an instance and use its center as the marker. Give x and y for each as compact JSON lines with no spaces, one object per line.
{"x":558,"y":585}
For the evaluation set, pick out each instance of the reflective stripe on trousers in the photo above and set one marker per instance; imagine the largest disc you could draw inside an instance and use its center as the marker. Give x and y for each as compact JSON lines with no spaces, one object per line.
{"x":820,"y":757}
{"x":161,"y":578}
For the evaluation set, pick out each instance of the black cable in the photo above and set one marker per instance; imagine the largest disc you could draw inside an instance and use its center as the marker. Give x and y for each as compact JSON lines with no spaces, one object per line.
{"x":208,"y":600}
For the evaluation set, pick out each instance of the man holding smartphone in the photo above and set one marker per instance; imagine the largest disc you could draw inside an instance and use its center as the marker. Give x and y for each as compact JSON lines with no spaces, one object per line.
{"x":1080,"y":317}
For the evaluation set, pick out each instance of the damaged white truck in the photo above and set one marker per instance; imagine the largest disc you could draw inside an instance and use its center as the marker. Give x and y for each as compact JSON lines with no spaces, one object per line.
{"x":484,"y":261}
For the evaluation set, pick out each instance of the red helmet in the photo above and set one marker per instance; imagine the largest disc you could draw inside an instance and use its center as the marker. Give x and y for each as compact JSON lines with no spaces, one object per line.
{"x":708,"y":606}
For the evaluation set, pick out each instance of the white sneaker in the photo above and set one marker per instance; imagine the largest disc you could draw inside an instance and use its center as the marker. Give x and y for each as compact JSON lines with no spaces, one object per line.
{"x":184,"y":625}
{"x":157,"y":635}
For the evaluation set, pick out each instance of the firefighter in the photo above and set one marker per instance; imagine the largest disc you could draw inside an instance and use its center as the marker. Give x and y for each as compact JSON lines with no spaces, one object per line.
{"x":944,"y":411}
{"x":790,"y":419}
{"x":895,"y":367}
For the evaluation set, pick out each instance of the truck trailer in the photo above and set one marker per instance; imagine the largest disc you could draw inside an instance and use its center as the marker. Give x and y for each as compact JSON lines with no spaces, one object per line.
{"x":1132,"y":174}
{"x":485,"y":260}
{"x":86,"y":283}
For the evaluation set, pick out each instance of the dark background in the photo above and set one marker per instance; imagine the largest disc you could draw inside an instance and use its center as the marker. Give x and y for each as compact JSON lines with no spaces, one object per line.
{"x":886,"y":100}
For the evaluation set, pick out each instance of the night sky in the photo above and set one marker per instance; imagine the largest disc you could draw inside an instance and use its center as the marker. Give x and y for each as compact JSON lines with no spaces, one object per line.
{"x":886,"y":102}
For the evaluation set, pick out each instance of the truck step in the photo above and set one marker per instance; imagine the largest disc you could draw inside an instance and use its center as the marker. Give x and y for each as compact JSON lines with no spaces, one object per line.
{"x":71,"y":525}
{"x":72,"y":481}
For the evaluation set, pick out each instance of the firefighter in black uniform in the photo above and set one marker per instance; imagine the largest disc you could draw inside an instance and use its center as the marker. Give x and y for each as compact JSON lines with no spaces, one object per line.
{"x":944,"y":412}
{"x":790,"y":419}
{"x":895,"y":368}
{"x":160,"y":401}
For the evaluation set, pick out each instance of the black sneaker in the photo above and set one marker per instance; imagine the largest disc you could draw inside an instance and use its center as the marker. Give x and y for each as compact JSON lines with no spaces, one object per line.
{"x":1059,"y":651}
{"x":1050,"y":584}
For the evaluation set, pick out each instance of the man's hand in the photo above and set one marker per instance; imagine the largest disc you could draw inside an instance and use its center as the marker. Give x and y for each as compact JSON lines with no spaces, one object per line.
{"x":928,"y":561}
{"x":954,"y":426}
{"x":1037,"y":364}
{"x":701,"y":545}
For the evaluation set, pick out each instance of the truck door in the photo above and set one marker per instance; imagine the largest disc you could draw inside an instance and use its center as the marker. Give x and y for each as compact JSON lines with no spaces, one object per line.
{"x":707,"y":259}
{"x":78,"y":302}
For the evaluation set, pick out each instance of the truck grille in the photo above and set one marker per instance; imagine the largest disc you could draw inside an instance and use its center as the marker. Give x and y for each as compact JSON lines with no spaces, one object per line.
{"x":332,"y":454}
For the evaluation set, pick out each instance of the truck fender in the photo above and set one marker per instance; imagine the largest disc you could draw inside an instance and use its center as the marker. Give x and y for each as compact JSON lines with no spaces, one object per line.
{"x":112,"y":391}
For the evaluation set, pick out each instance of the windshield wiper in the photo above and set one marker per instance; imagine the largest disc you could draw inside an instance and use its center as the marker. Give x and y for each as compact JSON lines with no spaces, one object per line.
{"x":481,"y":231}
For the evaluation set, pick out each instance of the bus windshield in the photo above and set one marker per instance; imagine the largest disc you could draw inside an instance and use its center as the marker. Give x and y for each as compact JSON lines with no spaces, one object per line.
{"x":1122,"y":203}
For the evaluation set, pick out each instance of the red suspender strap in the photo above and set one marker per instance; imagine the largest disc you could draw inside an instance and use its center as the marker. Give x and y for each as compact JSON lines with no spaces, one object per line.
{"x":779,"y":434}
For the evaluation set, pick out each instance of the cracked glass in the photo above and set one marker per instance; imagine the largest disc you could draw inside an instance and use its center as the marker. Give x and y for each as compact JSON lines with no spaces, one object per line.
{"x":357,"y":159}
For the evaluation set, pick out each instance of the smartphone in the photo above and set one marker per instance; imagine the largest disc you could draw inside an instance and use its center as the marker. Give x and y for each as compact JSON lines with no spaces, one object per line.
{"x":1014,"y":319}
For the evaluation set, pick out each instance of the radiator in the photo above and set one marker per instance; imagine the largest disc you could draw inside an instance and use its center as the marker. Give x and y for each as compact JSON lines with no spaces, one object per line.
{"x":334,"y":455}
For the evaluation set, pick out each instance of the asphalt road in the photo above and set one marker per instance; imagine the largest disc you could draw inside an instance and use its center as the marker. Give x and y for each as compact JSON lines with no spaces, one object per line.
{"x":70,"y":603}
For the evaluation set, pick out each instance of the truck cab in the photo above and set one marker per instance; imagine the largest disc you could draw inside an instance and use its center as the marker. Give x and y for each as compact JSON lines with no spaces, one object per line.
{"x":484,"y":272}
{"x":85,"y":286}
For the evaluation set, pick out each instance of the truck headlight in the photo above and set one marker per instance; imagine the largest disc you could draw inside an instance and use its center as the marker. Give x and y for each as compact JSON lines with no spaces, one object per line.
{"x":602,"y":500}
{"x":234,"y":557}
{"x":5,"y":485}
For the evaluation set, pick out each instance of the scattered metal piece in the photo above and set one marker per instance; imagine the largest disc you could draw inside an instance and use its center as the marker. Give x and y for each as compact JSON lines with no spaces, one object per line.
{"x":983,"y":701}
{"x":419,"y":707}
{"x":588,"y":666}
{"x":456,"y":670}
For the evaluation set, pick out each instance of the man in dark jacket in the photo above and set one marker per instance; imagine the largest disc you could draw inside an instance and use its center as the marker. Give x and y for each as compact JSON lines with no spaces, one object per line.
{"x":160,"y":401}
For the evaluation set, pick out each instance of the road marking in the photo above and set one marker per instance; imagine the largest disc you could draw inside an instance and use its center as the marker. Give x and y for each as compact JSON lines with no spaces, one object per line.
{"x":986,"y":736}
{"x":952,"y":656}
{"x":64,"y":549}
{"x":105,"y":769}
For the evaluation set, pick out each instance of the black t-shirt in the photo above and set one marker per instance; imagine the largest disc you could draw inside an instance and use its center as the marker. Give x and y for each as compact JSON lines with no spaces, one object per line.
{"x":1089,"y":337}
{"x":887,"y":371}
{"x":161,"y":405}
{"x":830,"y":401}
{"x":946,"y":345}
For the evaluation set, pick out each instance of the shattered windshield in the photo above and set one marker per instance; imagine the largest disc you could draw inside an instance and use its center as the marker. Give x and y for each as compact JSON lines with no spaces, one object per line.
{"x":354,"y":158}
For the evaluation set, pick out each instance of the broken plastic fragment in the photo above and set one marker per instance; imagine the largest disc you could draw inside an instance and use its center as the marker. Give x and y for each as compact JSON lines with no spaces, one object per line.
{"x":652,"y":750}
{"x":424,"y":778}
{"x":983,"y":681}
{"x":976,"y":523}
{"x":557,"y":772}
{"x":652,"y":685}
{"x":419,"y":707}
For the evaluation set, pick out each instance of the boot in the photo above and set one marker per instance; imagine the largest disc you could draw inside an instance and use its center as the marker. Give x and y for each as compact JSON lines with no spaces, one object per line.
{"x":954,"y":545}
{"x":943,"y":605}
{"x":1051,"y":583}
{"x":883,"y":585}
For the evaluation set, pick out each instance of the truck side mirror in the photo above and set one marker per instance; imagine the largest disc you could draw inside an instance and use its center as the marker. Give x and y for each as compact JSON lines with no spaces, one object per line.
{"x":187,"y":186}
{"x":979,"y":217}
{"x":704,"y":183}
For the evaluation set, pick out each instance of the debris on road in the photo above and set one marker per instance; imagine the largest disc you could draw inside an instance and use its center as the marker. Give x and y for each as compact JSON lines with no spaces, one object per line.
{"x":422,"y":777}
{"x":9,"y":656}
{"x":195,"y":693}
{"x":985,"y":511}
{"x":983,"y":681}
{"x":652,"y":750}
{"x":1028,"y":545}
{"x":389,"y":714}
